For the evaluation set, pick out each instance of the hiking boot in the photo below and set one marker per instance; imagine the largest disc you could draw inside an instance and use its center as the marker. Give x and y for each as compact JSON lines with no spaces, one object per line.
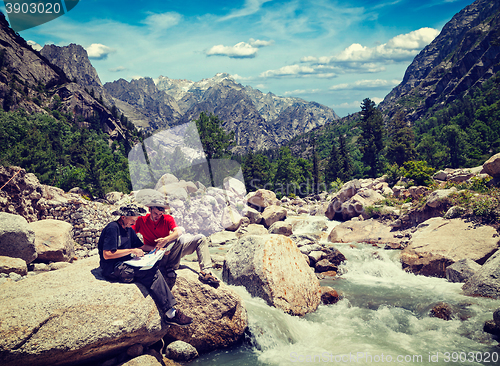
{"x":178,"y":319}
{"x":209,"y":279}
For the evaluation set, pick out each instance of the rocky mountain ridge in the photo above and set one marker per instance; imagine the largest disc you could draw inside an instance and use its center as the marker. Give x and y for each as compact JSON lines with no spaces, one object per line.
{"x":30,"y":81}
{"x":260,"y":121}
{"x":465,"y":54}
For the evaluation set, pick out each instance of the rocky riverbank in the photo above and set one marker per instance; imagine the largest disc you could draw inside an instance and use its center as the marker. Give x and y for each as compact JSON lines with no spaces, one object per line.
{"x":48,"y":239}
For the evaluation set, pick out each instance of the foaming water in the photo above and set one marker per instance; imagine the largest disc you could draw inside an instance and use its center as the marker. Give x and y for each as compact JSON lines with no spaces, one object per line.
{"x":382,"y":319}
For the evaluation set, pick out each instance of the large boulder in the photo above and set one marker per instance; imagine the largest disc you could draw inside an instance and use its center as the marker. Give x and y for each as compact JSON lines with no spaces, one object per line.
{"x":486,"y":281}
{"x":347,"y":191}
{"x":357,"y":204}
{"x":273,"y":214}
{"x":231,"y":218}
{"x":366,"y":231}
{"x":17,"y":238}
{"x":492,"y":166}
{"x":53,"y":241}
{"x":219,"y":316}
{"x":261,"y":199}
{"x":272,"y":268}
{"x":440,"y":242}
{"x":236,"y":186}
{"x":253,"y":215}
{"x":462,"y":270}
{"x":439,"y":196}
{"x":73,"y":315}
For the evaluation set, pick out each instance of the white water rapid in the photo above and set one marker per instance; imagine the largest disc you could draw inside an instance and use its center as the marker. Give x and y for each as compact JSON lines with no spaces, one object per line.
{"x":383,"y":319}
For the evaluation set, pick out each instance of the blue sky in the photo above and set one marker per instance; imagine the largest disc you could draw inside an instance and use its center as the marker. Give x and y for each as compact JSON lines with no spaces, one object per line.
{"x":333,"y":52}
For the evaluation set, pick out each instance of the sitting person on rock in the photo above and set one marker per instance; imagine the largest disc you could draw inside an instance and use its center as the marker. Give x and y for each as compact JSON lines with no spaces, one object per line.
{"x":159,"y":229}
{"x":117,"y":243}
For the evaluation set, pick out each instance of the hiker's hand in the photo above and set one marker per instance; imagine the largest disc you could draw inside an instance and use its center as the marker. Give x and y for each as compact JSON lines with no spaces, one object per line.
{"x":161,"y":242}
{"x":138,"y":252}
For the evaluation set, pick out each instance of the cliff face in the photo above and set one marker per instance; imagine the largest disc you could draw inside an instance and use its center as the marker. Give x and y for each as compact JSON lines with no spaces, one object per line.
{"x":465,"y":54}
{"x":28,"y":80}
{"x":74,"y":61}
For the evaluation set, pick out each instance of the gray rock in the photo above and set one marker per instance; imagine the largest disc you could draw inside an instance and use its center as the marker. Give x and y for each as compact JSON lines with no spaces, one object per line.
{"x":144,"y":360}
{"x":496,"y":317}
{"x":462,"y":270}
{"x":306,"y":249}
{"x":438,"y":196}
{"x":252,"y":229}
{"x":492,"y":165}
{"x":219,"y":315}
{"x":303,"y":239}
{"x":486,"y":281}
{"x":440,"y":175}
{"x":16,"y":265}
{"x":53,"y":241}
{"x":181,"y":351}
{"x":17,"y":239}
{"x":272,"y":268}
{"x":454,"y":212}
{"x":254,"y":215}
{"x":281,"y":228}
{"x":15,"y":276}
{"x":430,"y":250}
{"x":316,"y":255}
{"x":325,"y":265}
{"x":273,"y":214}
{"x":72,"y":315}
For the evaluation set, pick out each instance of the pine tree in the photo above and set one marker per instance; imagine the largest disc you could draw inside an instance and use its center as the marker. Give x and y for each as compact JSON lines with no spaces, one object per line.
{"x":401,"y":147}
{"x":315,"y":172}
{"x":371,"y":139}
{"x":345,"y":161}
{"x":333,"y":166}
{"x":215,"y":141}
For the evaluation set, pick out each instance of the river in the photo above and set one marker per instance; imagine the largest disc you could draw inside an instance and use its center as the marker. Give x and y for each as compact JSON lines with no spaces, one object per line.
{"x":382,"y":319}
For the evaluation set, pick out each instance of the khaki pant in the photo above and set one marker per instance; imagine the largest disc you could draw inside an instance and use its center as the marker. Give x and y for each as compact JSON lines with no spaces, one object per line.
{"x":187,"y":244}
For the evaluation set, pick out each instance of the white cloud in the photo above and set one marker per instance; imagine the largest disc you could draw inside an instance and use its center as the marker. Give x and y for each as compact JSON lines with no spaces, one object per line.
{"x":415,"y":40}
{"x":290,"y":70}
{"x":162,"y":21}
{"x":400,"y":48}
{"x":366,"y":84}
{"x":240,"y":50}
{"x":240,"y":78}
{"x":98,"y":51}
{"x":34,"y":45}
{"x":260,"y":43}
